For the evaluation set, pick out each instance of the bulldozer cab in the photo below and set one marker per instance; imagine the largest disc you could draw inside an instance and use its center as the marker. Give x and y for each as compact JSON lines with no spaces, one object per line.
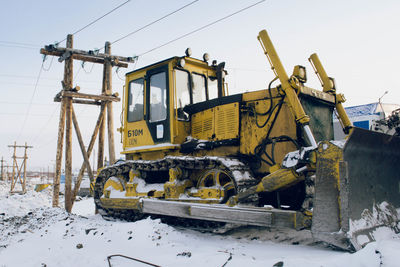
{"x":155,"y":97}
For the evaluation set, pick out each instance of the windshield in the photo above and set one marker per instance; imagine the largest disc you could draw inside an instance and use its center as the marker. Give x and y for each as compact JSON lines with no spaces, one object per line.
{"x":212,"y":88}
{"x":199,"y":88}
{"x":135,"y":100}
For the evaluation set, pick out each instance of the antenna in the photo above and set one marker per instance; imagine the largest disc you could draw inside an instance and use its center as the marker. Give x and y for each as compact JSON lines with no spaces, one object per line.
{"x":380,"y":103}
{"x":385,"y":93}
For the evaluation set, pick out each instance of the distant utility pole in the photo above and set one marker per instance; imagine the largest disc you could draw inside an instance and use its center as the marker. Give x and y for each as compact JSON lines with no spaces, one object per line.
{"x":70,"y":95}
{"x":7,"y":174}
{"x":18,"y":168}
{"x":2,"y":169}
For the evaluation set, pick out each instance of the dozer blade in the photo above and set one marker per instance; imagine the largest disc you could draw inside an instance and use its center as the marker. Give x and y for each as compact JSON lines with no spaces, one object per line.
{"x":357,"y":189}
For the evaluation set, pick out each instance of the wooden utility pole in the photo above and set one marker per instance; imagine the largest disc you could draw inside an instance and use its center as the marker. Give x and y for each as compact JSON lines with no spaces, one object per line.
{"x":107,"y":90}
{"x":68,"y":76}
{"x":18,"y":168}
{"x":7,"y":173}
{"x":70,"y":95}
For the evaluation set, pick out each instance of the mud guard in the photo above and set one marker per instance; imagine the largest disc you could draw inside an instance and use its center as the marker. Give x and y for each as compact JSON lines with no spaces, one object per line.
{"x":357,"y":189}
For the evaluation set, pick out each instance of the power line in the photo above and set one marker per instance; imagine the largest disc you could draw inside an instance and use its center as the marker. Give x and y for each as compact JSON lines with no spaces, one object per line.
{"x":26,"y":84}
{"x":18,"y":43}
{"x":33,"y":46}
{"x":201,"y":28}
{"x":116,"y":72}
{"x":153,"y":22}
{"x":43,"y":85}
{"x":26,"y":103}
{"x":48,"y":143}
{"x":18,"y":46}
{"x":90,"y":71}
{"x":34,"y":77}
{"x":22,"y":114}
{"x":247,"y":69}
{"x":14,"y":75}
{"x":40,"y":115}
{"x":46,"y":124}
{"x":51,"y":63}
{"x":91,"y":23}
{"x":30,"y":102}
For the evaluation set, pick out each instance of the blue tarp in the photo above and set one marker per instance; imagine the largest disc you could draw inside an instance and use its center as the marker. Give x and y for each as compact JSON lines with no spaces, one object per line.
{"x":362,"y":110}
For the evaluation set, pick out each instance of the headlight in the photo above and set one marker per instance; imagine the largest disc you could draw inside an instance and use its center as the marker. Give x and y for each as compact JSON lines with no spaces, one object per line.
{"x":300,"y":73}
{"x":181,"y":62}
{"x":206,"y":57}
{"x":188,"y":52}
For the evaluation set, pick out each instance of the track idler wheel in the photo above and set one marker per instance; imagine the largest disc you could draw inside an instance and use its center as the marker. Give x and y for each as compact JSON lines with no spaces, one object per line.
{"x":113,"y":184}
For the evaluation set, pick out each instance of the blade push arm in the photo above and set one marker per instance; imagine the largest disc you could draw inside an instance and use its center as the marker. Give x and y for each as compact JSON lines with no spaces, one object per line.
{"x":291,"y":95}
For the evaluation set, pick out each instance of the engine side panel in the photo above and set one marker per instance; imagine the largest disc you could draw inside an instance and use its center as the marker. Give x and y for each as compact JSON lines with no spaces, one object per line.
{"x":218,"y":123}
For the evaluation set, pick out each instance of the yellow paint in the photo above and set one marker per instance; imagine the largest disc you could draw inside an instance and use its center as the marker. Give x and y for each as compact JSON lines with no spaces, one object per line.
{"x":154,"y":148}
{"x":203,"y":124}
{"x":290,"y":90}
{"x":121,"y":203}
{"x":152,"y":153}
{"x":279,"y":179}
{"x":208,"y":193}
{"x":173,"y":189}
{"x":137,"y":134}
{"x":251,"y":136}
{"x":41,"y":187}
{"x":274,"y":168}
{"x":219,"y":123}
{"x":115,"y":183}
{"x":226,"y":121}
{"x":175,"y":174}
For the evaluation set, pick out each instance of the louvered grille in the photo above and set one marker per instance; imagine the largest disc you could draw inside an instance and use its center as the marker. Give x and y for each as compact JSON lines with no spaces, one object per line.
{"x":207,"y":124}
{"x":231,"y":124}
{"x":196,"y":127}
{"x":226,"y":122}
{"x":217,"y":123}
{"x":221,"y":122}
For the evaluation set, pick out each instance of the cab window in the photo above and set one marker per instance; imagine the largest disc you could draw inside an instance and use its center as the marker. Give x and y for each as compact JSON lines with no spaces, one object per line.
{"x":212,"y":88}
{"x":198,"y":88}
{"x":158,"y":97}
{"x":182,"y":93}
{"x":135,"y":100}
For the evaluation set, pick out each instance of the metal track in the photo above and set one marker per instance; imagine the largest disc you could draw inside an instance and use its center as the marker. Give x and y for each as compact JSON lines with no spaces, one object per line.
{"x":240,"y":172}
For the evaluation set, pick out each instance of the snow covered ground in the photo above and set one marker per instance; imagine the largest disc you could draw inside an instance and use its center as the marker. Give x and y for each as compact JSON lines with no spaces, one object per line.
{"x":32,"y":233}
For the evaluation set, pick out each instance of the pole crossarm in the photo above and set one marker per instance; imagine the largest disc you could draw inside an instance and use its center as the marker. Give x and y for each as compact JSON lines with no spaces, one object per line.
{"x":89,"y":56}
{"x":73,"y":94}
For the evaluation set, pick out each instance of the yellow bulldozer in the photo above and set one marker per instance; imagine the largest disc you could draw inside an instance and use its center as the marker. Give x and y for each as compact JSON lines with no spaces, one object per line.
{"x":263,"y":158}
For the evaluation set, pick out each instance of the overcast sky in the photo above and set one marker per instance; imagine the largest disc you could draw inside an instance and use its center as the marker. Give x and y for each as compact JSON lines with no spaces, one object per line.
{"x":357,"y":41}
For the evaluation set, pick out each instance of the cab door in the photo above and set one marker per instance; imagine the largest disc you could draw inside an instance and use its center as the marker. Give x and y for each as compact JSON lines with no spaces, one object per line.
{"x":157,"y":97}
